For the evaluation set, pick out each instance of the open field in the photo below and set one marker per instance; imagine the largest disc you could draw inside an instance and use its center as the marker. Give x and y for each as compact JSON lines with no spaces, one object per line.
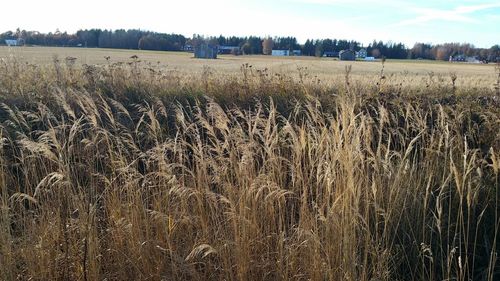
{"x":129,"y":170}
{"x":324,"y":68}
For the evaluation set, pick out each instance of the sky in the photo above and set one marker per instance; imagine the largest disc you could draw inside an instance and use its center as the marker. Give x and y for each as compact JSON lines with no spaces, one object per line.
{"x":427,"y":21}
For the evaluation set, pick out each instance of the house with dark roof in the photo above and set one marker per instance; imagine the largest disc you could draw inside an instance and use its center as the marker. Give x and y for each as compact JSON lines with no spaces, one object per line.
{"x":227,"y":50}
{"x":331,"y":54}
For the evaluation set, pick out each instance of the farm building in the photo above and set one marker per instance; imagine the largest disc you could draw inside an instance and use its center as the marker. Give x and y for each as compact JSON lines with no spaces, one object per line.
{"x":457,"y":58}
{"x":226,"y":50}
{"x":11,"y":42}
{"x":205,"y":51}
{"x":331,"y":54}
{"x":472,"y":60}
{"x":361,"y":54}
{"x":462,"y":58}
{"x":280,"y":53}
{"x":188,"y":48}
{"x":285,"y":53}
{"x":347,"y":55}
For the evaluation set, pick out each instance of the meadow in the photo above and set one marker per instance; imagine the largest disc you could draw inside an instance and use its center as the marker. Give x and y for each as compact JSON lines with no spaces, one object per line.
{"x":162,"y":167}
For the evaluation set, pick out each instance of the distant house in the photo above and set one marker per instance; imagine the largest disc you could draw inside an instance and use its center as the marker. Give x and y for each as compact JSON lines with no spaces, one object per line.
{"x":347,"y":55}
{"x":463,"y":58}
{"x":331,"y":54}
{"x":11,"y":42}
{"x":188,"y":48}
{"x":361,"y":54}
{"x":370,"y":59}
{"x":286,"y":53}
{"x":457,"y":58}
{"x":280,"y":53}
{"x":226,"y":50}
{"x":205,"y":51}
{"x":472,"y":60}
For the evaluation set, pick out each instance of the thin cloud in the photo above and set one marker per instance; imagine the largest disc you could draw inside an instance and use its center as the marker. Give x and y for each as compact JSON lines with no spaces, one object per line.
{"x":392,"y":3}
{"x":475,"y":8}
{"x":459,"y":14}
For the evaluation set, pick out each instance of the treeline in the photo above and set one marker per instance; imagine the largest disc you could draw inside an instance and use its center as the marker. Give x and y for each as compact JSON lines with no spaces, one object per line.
{"x":376,"y":49}
{"x":250,"y":44}
{"x":148,"y":40}
{"x":447,"y":50}
{"x":318,"y":47}
{"x":98,"y":38}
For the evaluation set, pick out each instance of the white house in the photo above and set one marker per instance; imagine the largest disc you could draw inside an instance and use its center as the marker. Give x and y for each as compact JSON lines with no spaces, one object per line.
{"x":361,"y":54}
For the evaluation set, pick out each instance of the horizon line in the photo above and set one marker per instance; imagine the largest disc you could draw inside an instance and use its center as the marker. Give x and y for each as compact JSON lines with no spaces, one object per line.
{"x":253,"y":35}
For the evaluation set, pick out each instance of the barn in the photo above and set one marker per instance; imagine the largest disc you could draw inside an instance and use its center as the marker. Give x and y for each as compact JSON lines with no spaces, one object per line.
{"x":227,"y":50}
{"x":205,"y":51}
{"x":347,"y":55}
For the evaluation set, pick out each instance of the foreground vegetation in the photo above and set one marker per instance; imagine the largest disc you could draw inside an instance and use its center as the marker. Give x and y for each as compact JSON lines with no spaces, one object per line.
{"x":130,"y":172}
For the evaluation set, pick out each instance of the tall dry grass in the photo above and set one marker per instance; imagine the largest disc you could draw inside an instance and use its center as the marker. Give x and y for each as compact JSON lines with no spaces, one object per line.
{"x":131,"y":172}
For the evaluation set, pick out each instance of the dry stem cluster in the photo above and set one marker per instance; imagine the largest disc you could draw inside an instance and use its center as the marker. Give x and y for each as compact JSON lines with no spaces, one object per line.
{"x":130,"y":172}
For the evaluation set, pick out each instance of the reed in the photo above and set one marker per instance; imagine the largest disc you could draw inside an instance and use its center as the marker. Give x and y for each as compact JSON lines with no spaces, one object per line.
{"x":129,"y":172}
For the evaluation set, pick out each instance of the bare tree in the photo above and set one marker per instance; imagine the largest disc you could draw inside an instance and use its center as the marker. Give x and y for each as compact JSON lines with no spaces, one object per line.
{"x":267,"y":46}
{"x":442,"y":53}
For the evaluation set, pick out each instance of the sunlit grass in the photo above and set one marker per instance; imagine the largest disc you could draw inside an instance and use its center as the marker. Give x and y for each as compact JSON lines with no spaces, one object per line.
{"x":131,"y":171}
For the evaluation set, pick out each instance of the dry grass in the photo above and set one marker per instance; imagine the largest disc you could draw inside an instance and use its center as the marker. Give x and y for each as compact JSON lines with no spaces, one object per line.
{"x":134,"y":172}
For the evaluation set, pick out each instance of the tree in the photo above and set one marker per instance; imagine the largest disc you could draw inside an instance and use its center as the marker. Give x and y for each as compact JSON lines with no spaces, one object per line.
{"x":442,"y":53}
{"x":494,"y":53}
{"x":421,"y":50}
{"x":308,"y":48}
{"x":318,"y":48}
{"x":247,"y":48}
{"x":327,"y":45}
{"x":255,"y":45}
{"x":267,"y":46}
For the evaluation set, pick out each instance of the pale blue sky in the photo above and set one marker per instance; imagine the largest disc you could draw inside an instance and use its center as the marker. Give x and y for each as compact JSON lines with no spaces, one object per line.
{"x":477,"y":22}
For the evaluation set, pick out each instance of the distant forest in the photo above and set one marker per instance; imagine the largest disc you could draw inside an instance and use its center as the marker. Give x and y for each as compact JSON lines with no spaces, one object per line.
{"x":147,"y":40}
